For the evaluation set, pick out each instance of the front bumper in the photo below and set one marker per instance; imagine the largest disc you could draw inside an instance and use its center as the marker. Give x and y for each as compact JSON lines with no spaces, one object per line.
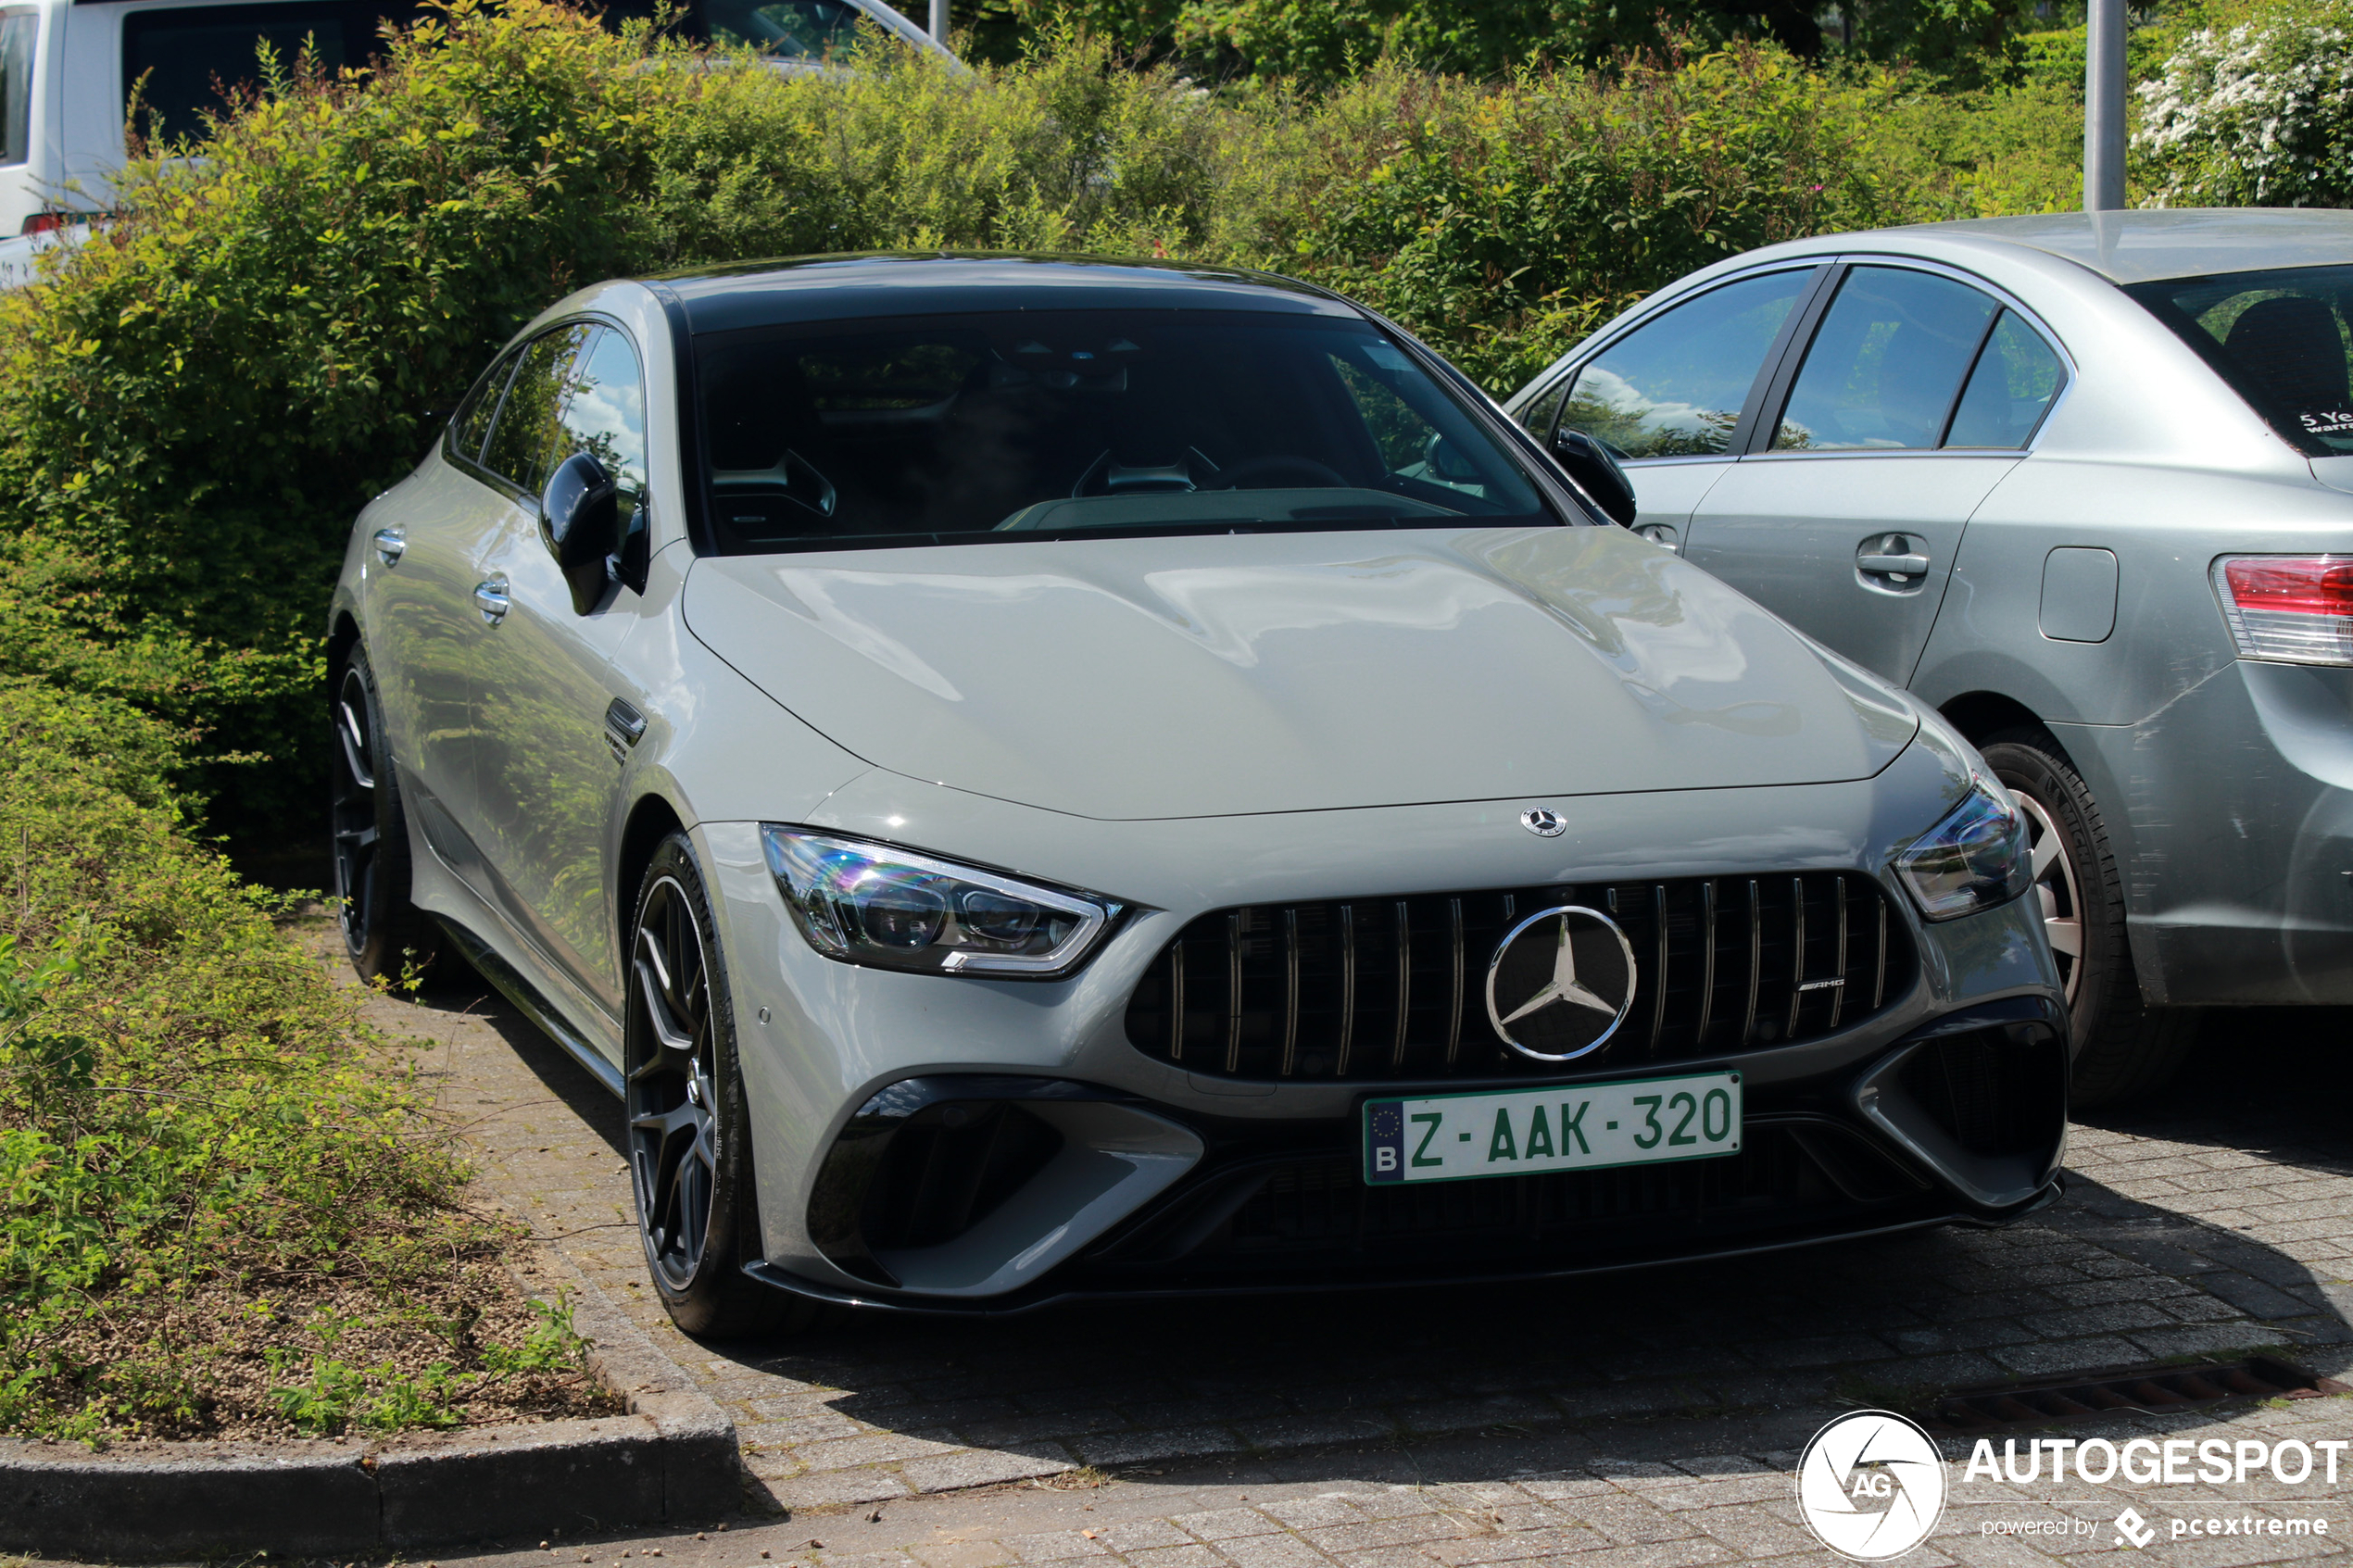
{"x":1964,"y":1120}
{"x":1141,"y":1173}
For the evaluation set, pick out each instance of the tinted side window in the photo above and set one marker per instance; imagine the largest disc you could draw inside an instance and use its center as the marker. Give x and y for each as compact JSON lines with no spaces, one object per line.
{"x":1412,"y":430}
{"x":178,"y":62}
{"x":2015,"y":380}
{"x":20,"y":35}
{"x":1674,"y":386}
{"x":524,"y":442}
{"x":814,"y":29}
{"x":604,"y":412}
{"x":1885,"y":363}
{"x":471,"y":421}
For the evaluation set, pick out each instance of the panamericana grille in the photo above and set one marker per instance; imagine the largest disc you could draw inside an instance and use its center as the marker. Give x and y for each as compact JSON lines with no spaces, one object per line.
{"x":1386,"y":988}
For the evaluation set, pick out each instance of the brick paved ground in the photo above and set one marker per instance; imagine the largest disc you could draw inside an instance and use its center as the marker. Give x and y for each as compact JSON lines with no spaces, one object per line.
{"x":1648,"y":1420}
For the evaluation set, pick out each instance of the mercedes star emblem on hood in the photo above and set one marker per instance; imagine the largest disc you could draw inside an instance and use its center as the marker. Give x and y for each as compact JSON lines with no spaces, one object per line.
{"x":1560,"y":983}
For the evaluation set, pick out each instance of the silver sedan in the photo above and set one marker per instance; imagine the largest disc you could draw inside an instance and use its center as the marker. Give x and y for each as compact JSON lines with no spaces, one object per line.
{"x":1032,"y":777}
{"x":2083,"y":484}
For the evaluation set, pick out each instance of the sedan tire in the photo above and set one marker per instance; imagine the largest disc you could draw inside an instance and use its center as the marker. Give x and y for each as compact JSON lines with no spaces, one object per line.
{"x":387,"y":937}
{"x":689,"y":1136}
{"x":2124,"y":1048}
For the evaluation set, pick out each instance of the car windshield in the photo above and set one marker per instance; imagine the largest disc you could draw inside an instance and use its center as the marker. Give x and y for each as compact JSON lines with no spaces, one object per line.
{"x":2280,"y":338}
{"x":1028,"y":424}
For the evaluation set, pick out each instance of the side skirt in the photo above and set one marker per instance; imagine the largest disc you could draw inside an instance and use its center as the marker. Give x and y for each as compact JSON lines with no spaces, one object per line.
{"x":531,"y":1004}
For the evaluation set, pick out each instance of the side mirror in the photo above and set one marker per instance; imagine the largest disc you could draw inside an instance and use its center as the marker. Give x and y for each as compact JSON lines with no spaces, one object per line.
{"x":1445,"y":462}
{"x":1589,"y":463}
{"x":580,"y":518}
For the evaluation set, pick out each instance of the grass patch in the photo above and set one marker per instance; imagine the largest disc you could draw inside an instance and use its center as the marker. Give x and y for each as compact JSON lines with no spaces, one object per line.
{"x":224,"y":1210}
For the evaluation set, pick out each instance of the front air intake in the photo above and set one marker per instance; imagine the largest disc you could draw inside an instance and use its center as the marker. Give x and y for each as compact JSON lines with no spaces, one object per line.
{"x":1386,"y":988}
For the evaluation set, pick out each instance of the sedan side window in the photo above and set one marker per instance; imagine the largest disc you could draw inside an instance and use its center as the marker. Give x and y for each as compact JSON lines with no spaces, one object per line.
{"x":604,"y":413}
{"x":2017,"y":379}
{"x":1885,"y":364}
{"x":1541,"y":411}
{"x":472,"y":423}
{"x":524,"y":443}
{"x":1675,"y":385}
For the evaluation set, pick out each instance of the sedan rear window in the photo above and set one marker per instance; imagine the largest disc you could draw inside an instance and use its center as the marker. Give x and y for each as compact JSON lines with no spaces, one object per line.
{"x":970,"y":429}
{"x":2280,"y":338}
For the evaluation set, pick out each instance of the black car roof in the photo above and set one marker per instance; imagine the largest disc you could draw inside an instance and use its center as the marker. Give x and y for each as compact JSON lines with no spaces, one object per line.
{"x":836,"y":288}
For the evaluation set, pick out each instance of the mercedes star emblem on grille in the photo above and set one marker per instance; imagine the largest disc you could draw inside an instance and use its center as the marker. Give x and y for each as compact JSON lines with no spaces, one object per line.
{"x":1560,"y":983}
{"x":1543,"y":823}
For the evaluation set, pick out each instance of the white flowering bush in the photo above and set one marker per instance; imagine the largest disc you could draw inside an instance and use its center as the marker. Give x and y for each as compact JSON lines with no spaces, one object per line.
{"x":2254,"y":115}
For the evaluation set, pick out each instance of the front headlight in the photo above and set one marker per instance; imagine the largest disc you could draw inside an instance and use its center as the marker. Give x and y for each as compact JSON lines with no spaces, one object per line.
{"x":1973,"y":859}
{"x":872,"y":904}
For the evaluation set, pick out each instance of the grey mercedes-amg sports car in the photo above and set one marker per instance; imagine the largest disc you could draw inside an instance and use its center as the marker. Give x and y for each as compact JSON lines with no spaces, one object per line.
{"x":1033,"y":777}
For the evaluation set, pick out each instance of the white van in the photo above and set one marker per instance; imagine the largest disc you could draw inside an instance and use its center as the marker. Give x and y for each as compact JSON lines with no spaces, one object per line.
{"x":69,"y":68}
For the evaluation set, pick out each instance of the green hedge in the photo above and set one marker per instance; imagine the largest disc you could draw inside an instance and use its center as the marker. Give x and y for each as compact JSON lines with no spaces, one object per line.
{"x":197,"y":404}
{"x":220,"y":1207}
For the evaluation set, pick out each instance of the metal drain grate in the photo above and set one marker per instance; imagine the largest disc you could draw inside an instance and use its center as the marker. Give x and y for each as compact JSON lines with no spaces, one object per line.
{"x":2154,"y":1390}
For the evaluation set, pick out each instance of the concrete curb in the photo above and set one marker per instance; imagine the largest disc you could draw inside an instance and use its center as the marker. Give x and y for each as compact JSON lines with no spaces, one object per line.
{"x":672,"y":1460}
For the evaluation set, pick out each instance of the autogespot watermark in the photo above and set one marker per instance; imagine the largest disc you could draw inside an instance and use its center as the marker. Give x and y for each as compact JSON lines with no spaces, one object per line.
{"x":2150,"y":1462}
{"x":1872,"y":1486}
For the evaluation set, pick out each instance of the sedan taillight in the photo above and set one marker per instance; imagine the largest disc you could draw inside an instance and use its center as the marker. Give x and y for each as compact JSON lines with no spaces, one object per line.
{"x":2297,"y":608}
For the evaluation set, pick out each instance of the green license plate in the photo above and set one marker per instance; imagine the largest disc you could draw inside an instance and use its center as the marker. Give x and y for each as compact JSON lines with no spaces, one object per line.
{"x":1462,"y":1137}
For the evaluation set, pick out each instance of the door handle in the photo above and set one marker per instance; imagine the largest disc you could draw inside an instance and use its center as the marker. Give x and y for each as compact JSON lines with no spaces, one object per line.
{"x":1660,"y":534}
{"x":1897,"y":557}
{"x":491,"y":599}
{"x":389,"y":542}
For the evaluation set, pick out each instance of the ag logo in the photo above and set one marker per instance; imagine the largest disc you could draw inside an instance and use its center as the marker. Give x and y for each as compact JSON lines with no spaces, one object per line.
{"x":1871,"y":1486}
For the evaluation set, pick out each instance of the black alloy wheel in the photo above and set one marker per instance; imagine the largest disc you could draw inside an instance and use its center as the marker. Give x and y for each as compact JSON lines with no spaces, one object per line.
{"x":384,"y":933}
{"x":2124,"y":1048}
{"x":689,"y":1146}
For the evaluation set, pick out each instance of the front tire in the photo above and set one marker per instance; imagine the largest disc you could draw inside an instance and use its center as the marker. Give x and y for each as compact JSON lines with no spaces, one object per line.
{"x":386,"y":937}
{"x":689,"y":1144}
{"x":2125,"y":1047}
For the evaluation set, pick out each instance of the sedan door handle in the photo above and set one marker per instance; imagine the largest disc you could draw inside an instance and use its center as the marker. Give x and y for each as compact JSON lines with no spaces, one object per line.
{"x":491,"y":599}
{"x":1894,"y":566}
{"x":390,"y":543}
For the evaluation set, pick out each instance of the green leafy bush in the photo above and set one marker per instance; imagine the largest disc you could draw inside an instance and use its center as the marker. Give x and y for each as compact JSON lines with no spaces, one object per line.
{"x":197,"y":404}
{"x":2255,"y":114}
{"x":1967,"y":41}
{"x":207,"y":1176}
{"x":1502,"y":225}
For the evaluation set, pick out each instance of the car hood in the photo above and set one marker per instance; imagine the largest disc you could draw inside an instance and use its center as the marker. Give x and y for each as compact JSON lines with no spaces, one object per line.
{"x":1224,"y":674}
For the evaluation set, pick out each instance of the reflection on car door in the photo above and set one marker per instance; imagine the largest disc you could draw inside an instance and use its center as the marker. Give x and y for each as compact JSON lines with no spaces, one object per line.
{"x":1669,"y":396}
{"x":546,"y":775}
{"x":421,"y":604}
{"x":1915,"y":395}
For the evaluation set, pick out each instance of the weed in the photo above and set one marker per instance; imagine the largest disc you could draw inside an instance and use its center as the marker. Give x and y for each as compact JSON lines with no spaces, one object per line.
{"x":552,"y":1345}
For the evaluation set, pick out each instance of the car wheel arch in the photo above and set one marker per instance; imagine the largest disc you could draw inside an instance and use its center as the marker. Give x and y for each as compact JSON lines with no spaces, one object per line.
{"x":1983,"y":713}
{"x":341,"y":639}
{"x":652,"y":817}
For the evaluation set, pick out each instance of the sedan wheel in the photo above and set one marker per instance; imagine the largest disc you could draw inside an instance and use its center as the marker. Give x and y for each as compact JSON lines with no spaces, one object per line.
{"x":384,"y":933}
{"x":689,"y":1141}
